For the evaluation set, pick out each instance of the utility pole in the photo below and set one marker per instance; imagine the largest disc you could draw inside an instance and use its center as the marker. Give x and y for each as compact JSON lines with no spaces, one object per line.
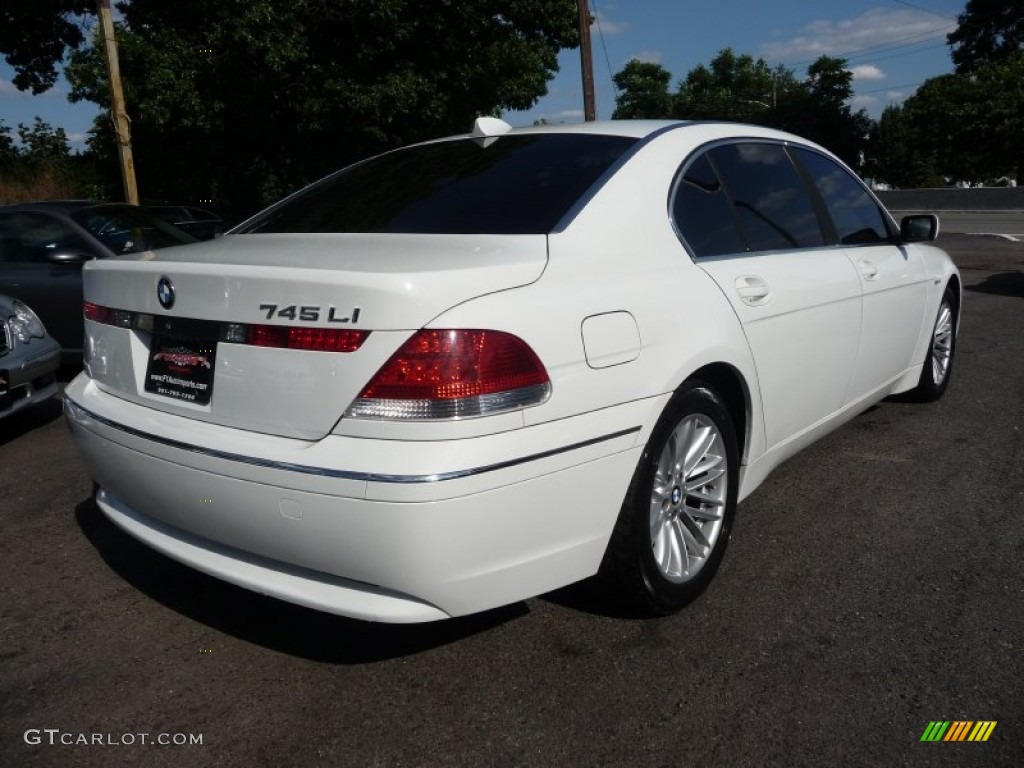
{"x":586,"y":62}
{"x":122,"y":127}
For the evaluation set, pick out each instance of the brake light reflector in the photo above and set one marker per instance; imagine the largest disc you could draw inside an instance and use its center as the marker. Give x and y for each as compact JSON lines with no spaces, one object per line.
{"x":316,"y":339}
{"x":106,"y":315}
{"x":443,"y":374}
{"x":96,"y":313}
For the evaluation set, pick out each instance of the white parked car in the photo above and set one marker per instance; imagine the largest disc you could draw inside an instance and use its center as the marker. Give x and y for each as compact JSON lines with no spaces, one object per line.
{"x":473,"y":370}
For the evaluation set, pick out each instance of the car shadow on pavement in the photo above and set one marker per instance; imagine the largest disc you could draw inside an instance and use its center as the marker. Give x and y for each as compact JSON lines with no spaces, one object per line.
{"x":598,"y":598}
{"x":27,"y":419}
{"x":1001,"y":284}
{"x":265,"y":621}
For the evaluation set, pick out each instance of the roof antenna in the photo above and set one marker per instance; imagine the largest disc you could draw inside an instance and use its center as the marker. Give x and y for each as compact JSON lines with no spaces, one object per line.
{"x":486,"y":130}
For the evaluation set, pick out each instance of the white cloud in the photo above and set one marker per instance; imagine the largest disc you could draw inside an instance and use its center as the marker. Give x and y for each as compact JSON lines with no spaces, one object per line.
{"x":897,"y":95}
{"x":8,"y":89}
{"x":867,"y":72}
{"x":872,"y":28}
{"x":607,"y":27}
{"x":648,"y":57}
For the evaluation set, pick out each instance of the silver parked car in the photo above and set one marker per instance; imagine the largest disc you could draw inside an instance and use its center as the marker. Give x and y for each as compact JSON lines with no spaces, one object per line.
{"x":28,"y":358}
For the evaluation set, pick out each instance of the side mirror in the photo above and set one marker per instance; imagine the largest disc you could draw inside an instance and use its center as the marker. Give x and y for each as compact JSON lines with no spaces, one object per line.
{"x":919,"y":228}
{"x":69,"y":257}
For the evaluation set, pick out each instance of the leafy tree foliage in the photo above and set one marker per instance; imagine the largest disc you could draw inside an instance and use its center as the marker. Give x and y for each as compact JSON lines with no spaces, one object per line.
{"x":40,"y":164}
{"x":972,"y":124}
{"x":896,"y":154}
{"x":989,"y":31}
{"x":745,"y":89}
{"x":243,"y":100}
{"x":35,"y":35}
{"x":643,"y":91}
{"x":733,"y":87}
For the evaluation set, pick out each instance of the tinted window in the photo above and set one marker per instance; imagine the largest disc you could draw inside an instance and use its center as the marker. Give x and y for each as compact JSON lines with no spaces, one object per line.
{"x":35,"y":236}
{"x":508,"y":185}
{"x":770,"y":199}
{"x":127,"y":229}
{"x":854,"y":213}
{"x":703,"y":213}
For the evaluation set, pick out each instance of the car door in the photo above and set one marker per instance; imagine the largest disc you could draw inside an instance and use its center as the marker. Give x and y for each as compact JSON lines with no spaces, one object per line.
{"x":893,"y":278}
{"x":31,"y":245}
{"x":751,"y":223}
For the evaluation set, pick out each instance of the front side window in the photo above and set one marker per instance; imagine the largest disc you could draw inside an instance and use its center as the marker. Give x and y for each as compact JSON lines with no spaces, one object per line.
{"x":520,"y":184}
{"x":855,"y":214}
{"x":770,"y":200}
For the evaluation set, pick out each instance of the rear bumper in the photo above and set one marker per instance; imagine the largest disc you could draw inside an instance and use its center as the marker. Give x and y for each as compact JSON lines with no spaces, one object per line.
{"x":374,"y":529}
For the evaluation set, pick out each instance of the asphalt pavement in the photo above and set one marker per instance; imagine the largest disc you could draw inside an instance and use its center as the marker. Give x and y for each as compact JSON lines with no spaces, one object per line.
{"x":873,"y":585}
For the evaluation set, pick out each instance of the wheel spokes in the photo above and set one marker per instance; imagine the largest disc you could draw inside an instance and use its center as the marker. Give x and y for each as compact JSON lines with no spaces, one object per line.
{"x":688,"y":498}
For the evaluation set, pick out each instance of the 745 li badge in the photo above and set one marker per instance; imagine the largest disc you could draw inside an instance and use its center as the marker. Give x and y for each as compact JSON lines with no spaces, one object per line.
{"x":309,"y":314}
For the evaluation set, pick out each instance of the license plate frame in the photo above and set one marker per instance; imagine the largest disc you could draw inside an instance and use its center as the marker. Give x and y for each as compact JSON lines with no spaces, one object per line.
{"x":181,"y":368}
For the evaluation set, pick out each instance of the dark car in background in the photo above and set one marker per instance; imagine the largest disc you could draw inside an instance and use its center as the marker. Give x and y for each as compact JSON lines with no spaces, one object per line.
{"x":44,"y":245}
{"x":198,"y":222}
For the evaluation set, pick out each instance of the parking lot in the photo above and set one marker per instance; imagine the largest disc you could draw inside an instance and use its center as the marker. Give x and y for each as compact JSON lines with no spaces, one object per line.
{"x":873,"y":584}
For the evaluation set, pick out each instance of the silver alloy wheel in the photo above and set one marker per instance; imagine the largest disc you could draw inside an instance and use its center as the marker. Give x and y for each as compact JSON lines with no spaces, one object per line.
{"x":942,"y":344}
{"x":688,"y":498}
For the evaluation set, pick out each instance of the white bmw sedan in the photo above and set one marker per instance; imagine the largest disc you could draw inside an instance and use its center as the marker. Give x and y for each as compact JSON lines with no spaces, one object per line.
{"x":473,"y":370}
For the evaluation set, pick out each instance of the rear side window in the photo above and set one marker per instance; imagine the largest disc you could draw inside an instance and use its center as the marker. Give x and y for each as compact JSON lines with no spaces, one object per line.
{"x":508,"y":185}
{"x":770,"y":200}
{"x":854,"y":213}
{"x":703,"y":213}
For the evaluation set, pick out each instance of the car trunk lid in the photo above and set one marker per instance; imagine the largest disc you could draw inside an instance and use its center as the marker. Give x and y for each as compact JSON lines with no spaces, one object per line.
{"x":387,"y":284}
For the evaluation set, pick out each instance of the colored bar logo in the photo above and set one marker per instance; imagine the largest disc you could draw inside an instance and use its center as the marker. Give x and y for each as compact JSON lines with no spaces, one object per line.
{"x":958,"y":730}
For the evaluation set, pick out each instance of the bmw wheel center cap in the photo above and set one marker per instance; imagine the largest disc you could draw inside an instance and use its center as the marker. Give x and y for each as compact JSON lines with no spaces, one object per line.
{"x":165,"y":292}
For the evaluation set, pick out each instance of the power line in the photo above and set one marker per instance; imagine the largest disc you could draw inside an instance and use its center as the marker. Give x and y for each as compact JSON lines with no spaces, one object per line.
{"x":889,"y":88}
{"x":604,"y":47}
{"x":926,"y":10}
{"x":901,"y":42}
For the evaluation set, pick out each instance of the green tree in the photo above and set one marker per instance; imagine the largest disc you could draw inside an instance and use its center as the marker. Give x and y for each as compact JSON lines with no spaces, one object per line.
{"x":896,"y":155}
{"x":8,"y":152}
{"x":988,"y":31}
{"x":244,"y":100}
{"x":820,"y":111}
{"x":642,"y":91}
{"x":748,"y":90}
{"x":42,"y":144}
{"x":732,"y":87}
{"x":34,"y":37}
{"x":973,"y":123}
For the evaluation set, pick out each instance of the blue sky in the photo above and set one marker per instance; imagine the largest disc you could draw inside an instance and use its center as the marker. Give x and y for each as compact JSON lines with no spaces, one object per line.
{"x":892,"y":46}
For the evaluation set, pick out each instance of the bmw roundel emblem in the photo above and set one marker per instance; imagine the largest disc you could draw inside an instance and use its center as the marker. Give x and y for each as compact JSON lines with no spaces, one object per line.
{"x":165,"y":292}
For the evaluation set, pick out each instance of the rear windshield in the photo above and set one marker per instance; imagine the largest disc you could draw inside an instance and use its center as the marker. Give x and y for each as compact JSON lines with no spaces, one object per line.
{"x":509,"y":185}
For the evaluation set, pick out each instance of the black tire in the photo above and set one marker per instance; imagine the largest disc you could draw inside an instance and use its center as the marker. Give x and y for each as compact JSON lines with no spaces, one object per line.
{"x":934,"y":376}
{"x":650,"y":581}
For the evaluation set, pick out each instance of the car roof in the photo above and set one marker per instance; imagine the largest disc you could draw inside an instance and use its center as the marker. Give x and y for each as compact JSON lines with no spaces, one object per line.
{"x":56,"y":205}
{"x":645,"y":129}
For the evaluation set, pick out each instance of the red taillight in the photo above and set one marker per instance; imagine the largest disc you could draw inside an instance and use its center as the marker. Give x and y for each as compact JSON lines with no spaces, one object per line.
{"x":317,"y":339}
{"x":97,"y":313}
{"x":451,"y":373}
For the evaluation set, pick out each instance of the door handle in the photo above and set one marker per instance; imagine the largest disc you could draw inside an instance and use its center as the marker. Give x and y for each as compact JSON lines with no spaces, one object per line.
{"x":868,"y":269}
{"x":752,"y":290}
